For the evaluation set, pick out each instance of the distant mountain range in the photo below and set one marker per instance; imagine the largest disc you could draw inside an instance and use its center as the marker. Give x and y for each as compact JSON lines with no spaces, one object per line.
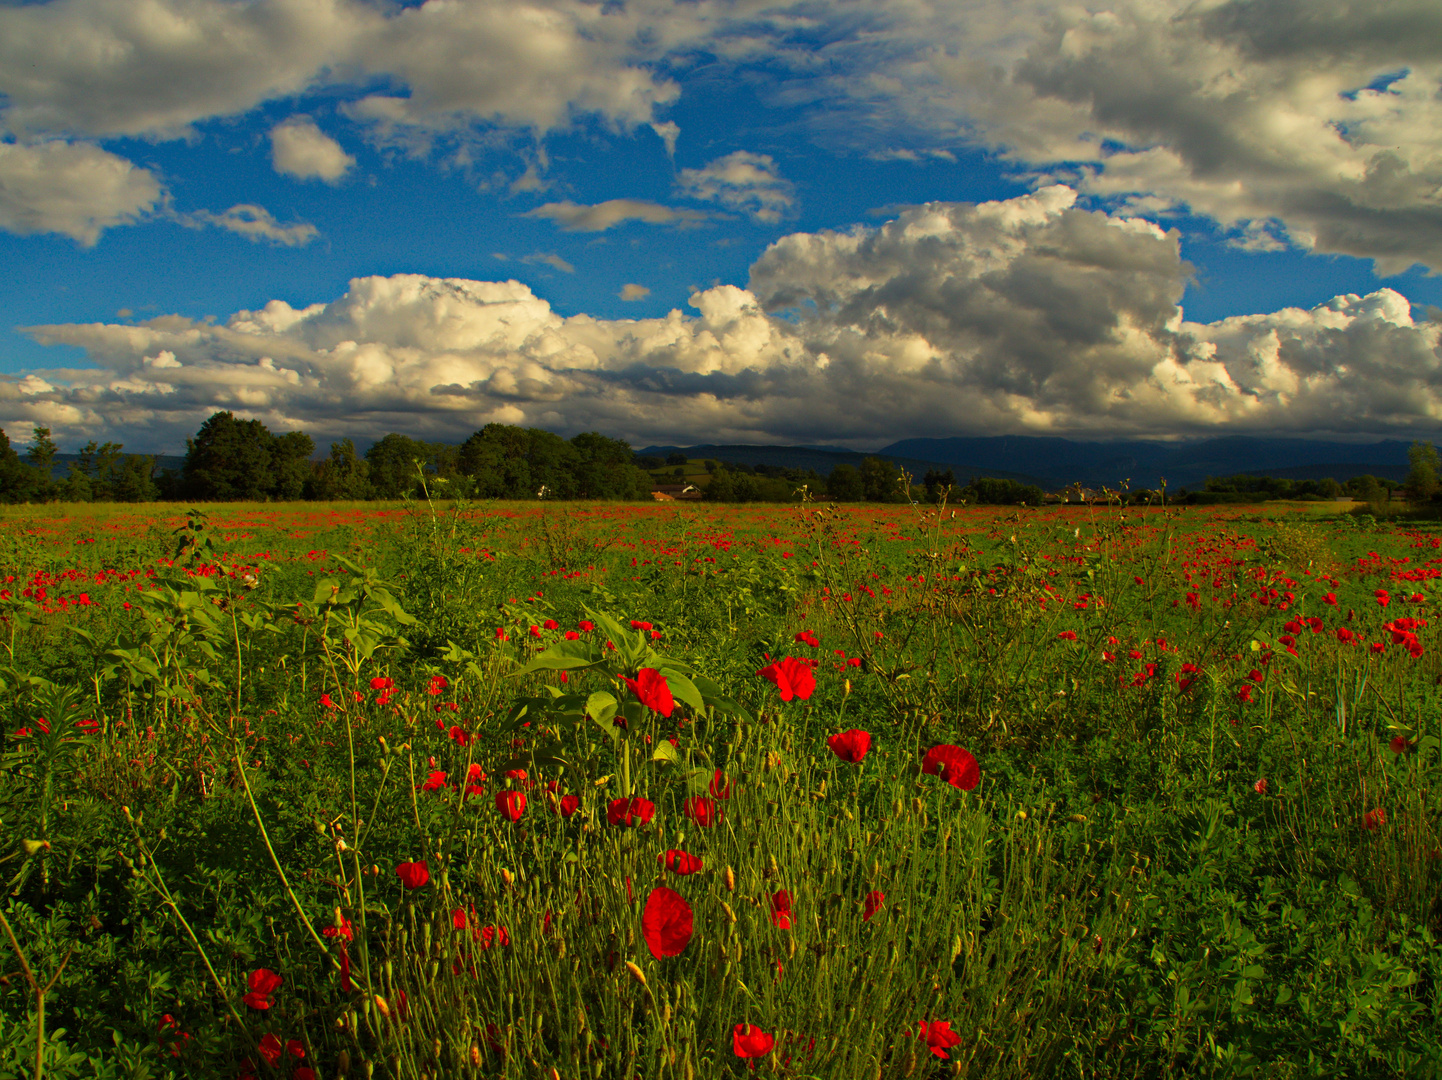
{"x":1053,"y":463}
{"x":60,"y":468}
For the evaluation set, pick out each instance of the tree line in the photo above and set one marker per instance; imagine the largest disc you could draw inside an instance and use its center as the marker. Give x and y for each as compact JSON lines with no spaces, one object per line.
{"x":231,"y":459}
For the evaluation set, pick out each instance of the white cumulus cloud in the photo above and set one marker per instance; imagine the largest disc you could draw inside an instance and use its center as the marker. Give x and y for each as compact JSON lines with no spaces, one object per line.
{"x":298,"y":148}
{"x":579,"y":217}
{"x":741,"y":181}
{"x":75,"y":189}
{"x":1029,"y":315}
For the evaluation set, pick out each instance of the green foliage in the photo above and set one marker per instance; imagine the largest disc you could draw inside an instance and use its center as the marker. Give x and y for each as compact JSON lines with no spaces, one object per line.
{"x":230,"y":459}
{"x":232,"y":767}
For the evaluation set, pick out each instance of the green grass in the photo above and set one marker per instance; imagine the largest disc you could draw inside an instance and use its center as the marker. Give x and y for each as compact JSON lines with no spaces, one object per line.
{"x":1116,"y":898}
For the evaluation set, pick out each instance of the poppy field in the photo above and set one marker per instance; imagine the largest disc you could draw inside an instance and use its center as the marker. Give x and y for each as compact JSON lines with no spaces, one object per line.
{"x":688,"y":791}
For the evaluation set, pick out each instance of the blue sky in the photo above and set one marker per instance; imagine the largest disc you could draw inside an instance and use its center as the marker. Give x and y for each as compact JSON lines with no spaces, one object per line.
{"x":712,"y":221}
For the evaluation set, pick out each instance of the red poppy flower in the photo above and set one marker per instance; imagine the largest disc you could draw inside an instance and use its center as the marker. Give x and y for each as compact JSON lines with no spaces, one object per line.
{"x":874,"y":900}
{"x":413,"y":874}
{"x":380,"y":682}
{"x":703,"y":811}
{"x":1400,"y":745}
{"x":270,"y":1048}
{"x":1067,"y":635}
{"x":438,"y":684}
{"x":850,"y":745}
{"x":651,"y":690}
{"x":491,"y":935}
{"x":435,"y":781}
{"x":1260,"y":787}
{"x":792,"y":677}
{"x":568,"y":805}
{"x":720,"y":786}
{"x":808,"y":637}
{"x":781,"y":910}
{"x":632,"y":811}
{"x":1374,"y":819}
{"x":295,"y":1048}
{"x":953,"y":764}
{"x":666,"y":923}
{"x":586,"y":626}
{"x":551,"y":624}
{"x":511,"y":804}
{"x":749,"y":1041}
{"x":938,"y":1035}
{"x":304,"y":1072}
{"x":327,"y":702}
{"x":681,"y":862}
{"x":262,"y":982}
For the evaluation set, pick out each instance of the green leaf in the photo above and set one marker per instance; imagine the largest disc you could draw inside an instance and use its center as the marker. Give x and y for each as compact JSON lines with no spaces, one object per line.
{"x":565,"y":655}
{"x":664,"y":751}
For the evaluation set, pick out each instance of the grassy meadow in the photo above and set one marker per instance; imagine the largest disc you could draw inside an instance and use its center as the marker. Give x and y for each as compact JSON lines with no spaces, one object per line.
{"x":555,"y":791}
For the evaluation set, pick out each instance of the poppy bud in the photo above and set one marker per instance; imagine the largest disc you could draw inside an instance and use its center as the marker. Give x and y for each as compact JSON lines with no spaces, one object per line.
{"x":342,"y":1062}
{"x":33,"y":846}
{"x":475,"y":1055}
{"x":636,"y":972}
{"x":730,"y":882}
{"x":729,"y":913}
{"x":506,"y":877}
{"x":383,"y":1007}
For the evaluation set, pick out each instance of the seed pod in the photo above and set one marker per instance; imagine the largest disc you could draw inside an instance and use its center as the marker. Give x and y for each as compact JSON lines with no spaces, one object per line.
{"x":916,"y":805}
{"x":342,"y":1063}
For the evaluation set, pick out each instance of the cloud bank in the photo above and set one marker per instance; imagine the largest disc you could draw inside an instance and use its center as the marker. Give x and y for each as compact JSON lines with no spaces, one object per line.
{"x":1028,"y":315}
{"x":1315,"y":123}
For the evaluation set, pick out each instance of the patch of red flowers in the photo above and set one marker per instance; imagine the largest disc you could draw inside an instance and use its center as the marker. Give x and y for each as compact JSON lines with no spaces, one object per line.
{"x":666,"y":923}
{"x":850,"y":746}
{"x":953,"y":764}
{"x":651,"y":690}
{"x":749,"y":1041}
{"x":792,"y":677}
{"x":938,"y":1035}
{"x":263,"y":982}
{"x":681,"y":862}
{"x":632,"y":811}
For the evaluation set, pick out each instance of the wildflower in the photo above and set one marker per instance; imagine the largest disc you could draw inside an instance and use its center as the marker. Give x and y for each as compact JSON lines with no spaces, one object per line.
{"x":953,"y":764}
{"x":1400,"y":745}
{"x":535,"y":631}
{"x":781,"y":910}
{"x":1260,"y":787}
{"x":262,"y":982}
{"x":327,"y":702}
{"x":493,"y":935}
{"x":681,"y":862}
{"x":511,"y":804}
{"x":380,"y":682}
{"x":1244,"y":695}
{"x":295,"y":1048}
{"x":571,"y":635}
{"x":850,"y":746}
{"x":413,"y":874}
{"x":720,"y":786}
{"x":938,"y":1035}
{"x":702,"y":811}
{"x":792,"y":678}
{"x":551,"y":624}
{"x":632,"y":811}
{"x":1067,"y":635}
{"x":437,"y":684}
{"x":651,"y":690}
{"x":749,"y":1041}
{"x":586,"y":626}
{"x":270,"y":1048}
{"x":435,"y":782}
{"x":1374,"y":819}
{"x":872,"y":904}
{"x":666,"y":923}
{"x":1330,"y":598}
{"x":808,"y":637}
{"x":568,"y":805}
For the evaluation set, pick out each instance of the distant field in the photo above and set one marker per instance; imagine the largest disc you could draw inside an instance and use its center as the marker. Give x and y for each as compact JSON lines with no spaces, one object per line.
{"x":681,"y":790}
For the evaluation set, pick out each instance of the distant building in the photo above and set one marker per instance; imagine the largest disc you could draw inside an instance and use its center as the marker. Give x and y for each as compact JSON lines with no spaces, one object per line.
{"x":672,"y":492}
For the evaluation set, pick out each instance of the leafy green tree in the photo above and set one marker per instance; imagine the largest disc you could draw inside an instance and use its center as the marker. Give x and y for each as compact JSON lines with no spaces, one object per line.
{"x":343,"y":475}
{"x":392,"y":463}
{"x":228,"y":459}
{"x":881,"y":480}
{"x":290,"y":464}
{"x":995,"y":491}
{"x":17,"y":482}
{"x":722,"y":487}
{"x":607,"y":469}
{"x":134,"y":480}
{"x":845,"y":484}
{"x":1422,"y":478}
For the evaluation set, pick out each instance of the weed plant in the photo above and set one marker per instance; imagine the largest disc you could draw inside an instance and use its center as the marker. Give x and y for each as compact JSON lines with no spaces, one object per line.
{"x":614,"y":791}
